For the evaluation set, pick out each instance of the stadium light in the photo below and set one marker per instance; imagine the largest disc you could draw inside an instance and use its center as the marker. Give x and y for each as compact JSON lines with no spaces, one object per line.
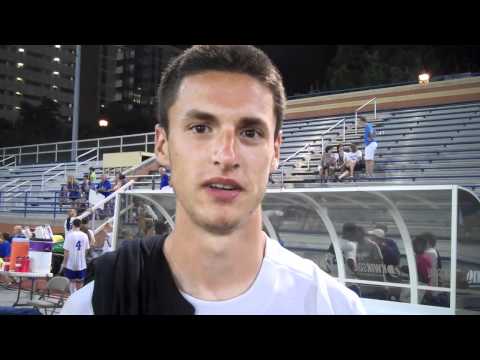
{"x":424,"y":79}
{"x":103,"y":123}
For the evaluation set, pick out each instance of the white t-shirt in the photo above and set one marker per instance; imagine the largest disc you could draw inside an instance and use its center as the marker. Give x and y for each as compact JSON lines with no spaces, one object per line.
{"x":355,"y":156}
{"x":77,"y":244}
{"x":107,"y":245}
{"x":285,"y":285}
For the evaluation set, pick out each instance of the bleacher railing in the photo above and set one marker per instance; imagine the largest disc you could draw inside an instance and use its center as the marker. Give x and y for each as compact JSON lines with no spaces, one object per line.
{"x":306,"y":147}
{"x":63,"y":172}
{"x":78,"y":164}
{"x":374,"y":100}
{"x":6,"y":166}
{"x":61,"y":151}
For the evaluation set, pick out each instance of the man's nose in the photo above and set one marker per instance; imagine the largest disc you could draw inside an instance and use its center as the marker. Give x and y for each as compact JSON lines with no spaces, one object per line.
{"x":225,"y":152}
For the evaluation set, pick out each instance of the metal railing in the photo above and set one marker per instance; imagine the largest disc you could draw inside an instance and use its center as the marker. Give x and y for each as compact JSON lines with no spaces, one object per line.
{"x":137,"y":171}
{"x":326,"y":132}
{"x":64,"y":172}
{"x":78,"y":165}
{"x":10,"y":194}
{"x":6,"y":166}
{"x":307,"y":146}
{"x":9,"y":183}
{"x":361,"y":107}
{"x":136,"y":142}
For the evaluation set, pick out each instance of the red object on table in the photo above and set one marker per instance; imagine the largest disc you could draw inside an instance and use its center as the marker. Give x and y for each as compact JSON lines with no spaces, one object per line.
{"x":25,"y":264}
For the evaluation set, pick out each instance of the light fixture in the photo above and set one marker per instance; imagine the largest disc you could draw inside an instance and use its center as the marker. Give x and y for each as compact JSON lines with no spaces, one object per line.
{"x":18,"y":108}
{"x":56,"y":59}
{"x":19,"y":79}
{"x":20,"y":65}
{"x":424,"y":79}
{"x":54,"y":87}
{"x":55,"y":100}
{"x":103,"y":123}
{"x":56,"y":73}
{"x":58,"y":46}
{"x":18,"y":93}
{"x":21,"y":50}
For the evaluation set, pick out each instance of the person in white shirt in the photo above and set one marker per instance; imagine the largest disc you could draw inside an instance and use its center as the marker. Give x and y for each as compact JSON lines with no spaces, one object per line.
{"x":352,"y":158}
{"x":74,"y":264}
{"x":221,"y":109}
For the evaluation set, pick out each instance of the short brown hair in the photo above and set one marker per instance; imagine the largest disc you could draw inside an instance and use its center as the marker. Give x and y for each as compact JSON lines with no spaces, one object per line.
{"x":243,"y":59}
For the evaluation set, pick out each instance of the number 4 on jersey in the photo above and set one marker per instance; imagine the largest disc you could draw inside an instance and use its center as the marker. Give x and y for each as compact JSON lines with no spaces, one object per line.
{"x":78,"y":245}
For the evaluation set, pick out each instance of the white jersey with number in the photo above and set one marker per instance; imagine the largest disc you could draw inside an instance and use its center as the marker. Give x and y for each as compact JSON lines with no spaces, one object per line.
{"x":77,"y":244}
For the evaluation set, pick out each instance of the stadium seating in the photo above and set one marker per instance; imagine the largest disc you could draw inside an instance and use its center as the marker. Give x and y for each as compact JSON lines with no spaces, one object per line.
{"x":433,"y":145}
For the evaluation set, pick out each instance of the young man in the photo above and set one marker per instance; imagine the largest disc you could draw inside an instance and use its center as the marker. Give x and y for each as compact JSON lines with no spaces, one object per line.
{"x":74,"y":255}
{"x":220,"y":114}
{"x":67,"y":225}
{"x":370,"y":145}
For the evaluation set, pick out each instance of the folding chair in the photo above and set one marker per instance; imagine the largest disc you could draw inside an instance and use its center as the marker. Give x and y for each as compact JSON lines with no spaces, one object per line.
{"x":59,"y":284}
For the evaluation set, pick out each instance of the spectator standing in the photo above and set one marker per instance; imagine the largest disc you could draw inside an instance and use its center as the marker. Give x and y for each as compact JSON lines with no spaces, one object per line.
{"x":92,"y":175}
{"x":370,"y":145}
{"x":105,"y":186}
{"x":120,"y":180}
{"x":5,"y":247}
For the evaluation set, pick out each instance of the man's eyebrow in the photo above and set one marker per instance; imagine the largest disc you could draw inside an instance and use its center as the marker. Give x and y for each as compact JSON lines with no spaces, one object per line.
{"x":253,"y":121}
{"x":200,"y":115}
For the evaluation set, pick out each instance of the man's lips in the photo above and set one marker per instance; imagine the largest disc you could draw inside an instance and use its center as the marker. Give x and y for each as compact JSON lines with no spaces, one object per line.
{"x":223,"y":189}
{"x":223,"y":183}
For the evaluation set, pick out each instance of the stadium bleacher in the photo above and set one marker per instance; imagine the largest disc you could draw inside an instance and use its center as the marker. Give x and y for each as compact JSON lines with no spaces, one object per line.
{"x":430,"y":145}
{"x":433,"y":145}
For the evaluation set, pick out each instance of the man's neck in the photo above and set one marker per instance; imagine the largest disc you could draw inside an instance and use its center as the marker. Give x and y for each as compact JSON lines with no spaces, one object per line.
{"x":213,"y":267}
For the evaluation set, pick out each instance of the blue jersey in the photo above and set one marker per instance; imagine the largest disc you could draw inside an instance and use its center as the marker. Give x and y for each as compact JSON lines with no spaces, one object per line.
{"x":369,"y":132}
{"x":165,"y":181}
{"x":5,"y":249}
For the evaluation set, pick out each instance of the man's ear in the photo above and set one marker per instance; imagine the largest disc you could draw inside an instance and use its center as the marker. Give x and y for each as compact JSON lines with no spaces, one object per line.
{"x":276,"y":148}
{"x":161,"y":146}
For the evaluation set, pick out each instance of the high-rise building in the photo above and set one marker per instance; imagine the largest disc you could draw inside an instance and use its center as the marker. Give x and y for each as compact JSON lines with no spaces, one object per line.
{"x":138,"y":72}
{"x":124,"y":74}
{"x":31,"y":72}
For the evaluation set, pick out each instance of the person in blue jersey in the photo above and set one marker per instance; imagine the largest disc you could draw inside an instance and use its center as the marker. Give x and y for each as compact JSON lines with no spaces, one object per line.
{"x":369,"y":139}
{"x":220,"y":115}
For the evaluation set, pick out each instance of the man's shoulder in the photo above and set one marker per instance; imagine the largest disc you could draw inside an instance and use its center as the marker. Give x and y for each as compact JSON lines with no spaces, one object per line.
{"x":328,"y":288}
{"x":283,"y":258}
{"x":80,"y":302}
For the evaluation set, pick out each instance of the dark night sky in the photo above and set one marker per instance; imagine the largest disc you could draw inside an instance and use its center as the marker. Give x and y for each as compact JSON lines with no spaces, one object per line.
{"x":300,"y":65}
{"x":305,"y":65}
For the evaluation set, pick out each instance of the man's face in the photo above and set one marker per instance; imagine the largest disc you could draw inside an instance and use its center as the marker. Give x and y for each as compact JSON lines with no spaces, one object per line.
{"x":220,"y":148}
{"x":17,"y":229}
